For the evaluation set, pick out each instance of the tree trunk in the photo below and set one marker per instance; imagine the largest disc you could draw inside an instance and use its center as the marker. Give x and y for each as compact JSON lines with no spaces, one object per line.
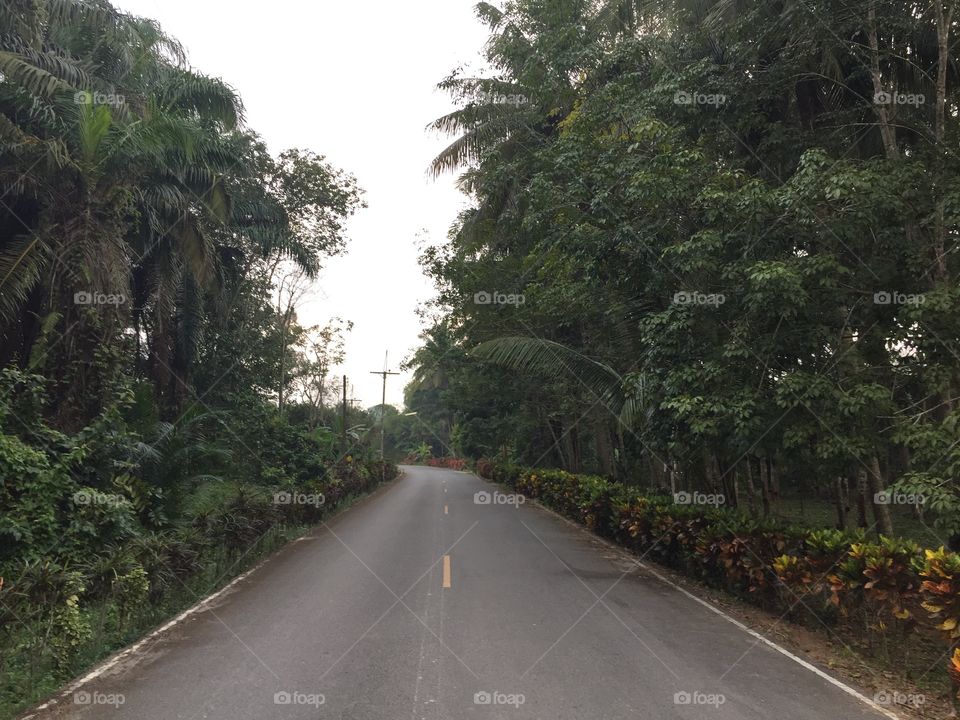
{"x":764,"y":486}
{"x":558,"y":443}
{"x":774,"y":480}
{"x":940,"y":250}
{"x":751,"y":489}
{"x":576,"y":454}
{"x":862,"y":498}
{"x":735,"y":487}
{"x":838,"y":494}
{"x":318,"y":413}
{"x":710,"y":476}
{"x":658,"y":474}
{"x":604,"y":448}
{"x":884,"y":110}
{"x":881,"y":511}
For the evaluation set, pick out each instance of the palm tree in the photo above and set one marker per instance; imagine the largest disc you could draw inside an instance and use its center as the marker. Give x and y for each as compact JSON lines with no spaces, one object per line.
{"x":532,"y":92}
{"x":118,"y":151}
{"x":621,"y":395}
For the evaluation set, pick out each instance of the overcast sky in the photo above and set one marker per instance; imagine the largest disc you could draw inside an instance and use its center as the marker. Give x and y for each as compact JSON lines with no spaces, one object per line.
{"x":353,"y":81}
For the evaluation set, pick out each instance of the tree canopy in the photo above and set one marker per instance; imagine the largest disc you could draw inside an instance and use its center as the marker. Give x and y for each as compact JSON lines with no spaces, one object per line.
{"x":720,"y":237}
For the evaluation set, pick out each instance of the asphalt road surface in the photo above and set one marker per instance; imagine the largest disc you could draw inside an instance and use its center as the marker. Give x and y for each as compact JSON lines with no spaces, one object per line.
{"x":421,"y":603}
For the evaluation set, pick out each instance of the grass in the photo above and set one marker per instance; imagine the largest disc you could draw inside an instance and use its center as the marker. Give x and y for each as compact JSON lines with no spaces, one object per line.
{"x":22,"y":683}
{"x":816,"y":514}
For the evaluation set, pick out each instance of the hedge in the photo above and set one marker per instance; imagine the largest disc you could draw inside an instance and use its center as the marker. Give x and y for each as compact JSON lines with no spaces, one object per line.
{"x":449,"y":463}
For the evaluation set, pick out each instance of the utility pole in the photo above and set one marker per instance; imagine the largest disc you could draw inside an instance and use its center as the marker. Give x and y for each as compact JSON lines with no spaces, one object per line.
{"x":343,"y":414}
{"x":345,"y":403}
{"x":383,"y":401}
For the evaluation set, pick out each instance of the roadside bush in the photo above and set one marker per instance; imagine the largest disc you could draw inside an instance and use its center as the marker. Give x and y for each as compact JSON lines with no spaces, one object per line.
{"x":110,"y":579}
{"x":483,"y":467}
{"x":450,"y":463}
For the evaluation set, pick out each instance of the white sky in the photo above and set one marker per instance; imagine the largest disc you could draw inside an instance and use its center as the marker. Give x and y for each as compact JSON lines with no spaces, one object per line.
{"x":353,"y":81}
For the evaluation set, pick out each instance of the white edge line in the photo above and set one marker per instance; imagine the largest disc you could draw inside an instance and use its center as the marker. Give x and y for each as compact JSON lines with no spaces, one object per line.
{"x":873,"y":705}
{"x":113,"y":660}
{"x":783,"y":651}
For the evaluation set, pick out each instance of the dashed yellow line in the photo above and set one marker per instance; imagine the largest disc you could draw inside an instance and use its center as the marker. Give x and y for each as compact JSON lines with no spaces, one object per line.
{"x":446,"y":571}
{"x":446,"y":510}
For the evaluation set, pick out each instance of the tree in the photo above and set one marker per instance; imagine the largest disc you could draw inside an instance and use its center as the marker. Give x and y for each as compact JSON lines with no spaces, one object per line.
{"x":728,"y":252}
{"x":325,"y":349}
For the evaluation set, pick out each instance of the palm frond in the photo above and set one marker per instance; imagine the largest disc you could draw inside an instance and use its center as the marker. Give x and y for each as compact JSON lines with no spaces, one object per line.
{"x":35,"y":80}
{"x":202,"y":96}
{"x":555,"y":360}
{"x":20,"y":264}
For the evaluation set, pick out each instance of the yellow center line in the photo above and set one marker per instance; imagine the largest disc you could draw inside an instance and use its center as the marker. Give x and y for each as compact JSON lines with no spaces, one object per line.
{"x":446,"y":571}
{"x":445,"y":509}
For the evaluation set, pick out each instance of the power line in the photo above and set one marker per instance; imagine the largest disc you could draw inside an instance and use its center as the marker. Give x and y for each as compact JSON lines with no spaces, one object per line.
{"x":383,"y":401}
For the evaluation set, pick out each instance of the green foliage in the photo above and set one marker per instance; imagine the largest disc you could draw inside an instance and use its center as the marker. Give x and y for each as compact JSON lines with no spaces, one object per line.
{"x":422,"y":452}
{"x":151,"y":403}
{"x":724,"y":254}
{"x":97,"y":595}
{"x":105,"y":528}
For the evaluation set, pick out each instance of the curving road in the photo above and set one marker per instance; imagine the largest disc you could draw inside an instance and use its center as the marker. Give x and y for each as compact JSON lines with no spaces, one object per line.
{"x":420,"y":603}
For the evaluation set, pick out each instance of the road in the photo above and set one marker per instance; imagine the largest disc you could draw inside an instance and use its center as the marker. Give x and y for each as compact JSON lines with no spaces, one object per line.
{"x":420,"y":603}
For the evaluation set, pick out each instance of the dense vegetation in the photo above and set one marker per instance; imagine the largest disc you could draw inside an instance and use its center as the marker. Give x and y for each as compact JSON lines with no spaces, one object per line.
{"x":719,"y":240}
{"x":164,"y":418}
